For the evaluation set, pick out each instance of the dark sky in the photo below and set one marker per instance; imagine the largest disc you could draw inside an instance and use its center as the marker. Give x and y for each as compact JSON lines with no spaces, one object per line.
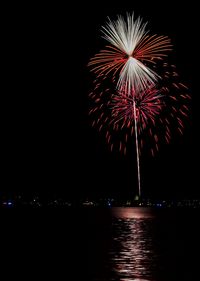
{"x":49,"y":146}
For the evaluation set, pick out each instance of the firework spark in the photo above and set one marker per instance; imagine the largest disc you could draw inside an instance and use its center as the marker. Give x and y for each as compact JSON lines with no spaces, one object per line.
{"x":156,"y":112}
{"x":131,"y":48}
{"x":148,"y":105}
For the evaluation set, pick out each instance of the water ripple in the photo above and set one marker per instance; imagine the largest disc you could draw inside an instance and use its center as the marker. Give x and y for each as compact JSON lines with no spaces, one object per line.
{"x":132,"y":254}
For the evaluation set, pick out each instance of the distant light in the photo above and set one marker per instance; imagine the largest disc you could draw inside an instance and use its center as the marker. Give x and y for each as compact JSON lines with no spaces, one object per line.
{"x":7,"y":203}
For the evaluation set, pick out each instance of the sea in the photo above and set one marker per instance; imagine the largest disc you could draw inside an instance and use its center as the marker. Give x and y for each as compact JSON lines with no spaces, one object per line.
{"x":102,"y":244}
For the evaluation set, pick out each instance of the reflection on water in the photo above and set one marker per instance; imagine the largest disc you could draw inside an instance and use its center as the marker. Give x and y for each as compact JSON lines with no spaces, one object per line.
{"x":133,"y":255}
{"x":132,"y":213}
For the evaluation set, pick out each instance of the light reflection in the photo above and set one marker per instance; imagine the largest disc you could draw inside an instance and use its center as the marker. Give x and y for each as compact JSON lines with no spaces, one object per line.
{"x":130,"y":213}
{"x":133,"y":255}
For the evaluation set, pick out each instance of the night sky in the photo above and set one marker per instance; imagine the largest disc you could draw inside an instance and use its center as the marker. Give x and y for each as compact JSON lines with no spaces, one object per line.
{"x":49,"y":146}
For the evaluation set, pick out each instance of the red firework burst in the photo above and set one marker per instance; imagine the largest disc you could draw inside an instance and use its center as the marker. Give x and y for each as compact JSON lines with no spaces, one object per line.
{"x":158,"y":110}
{"x":148,"y":105}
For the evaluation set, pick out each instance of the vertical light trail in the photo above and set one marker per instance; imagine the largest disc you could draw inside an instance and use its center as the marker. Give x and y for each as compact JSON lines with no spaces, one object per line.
{"x":137,"y":150}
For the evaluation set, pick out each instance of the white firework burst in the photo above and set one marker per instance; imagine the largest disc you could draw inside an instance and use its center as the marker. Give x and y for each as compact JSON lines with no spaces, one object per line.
{"x":126,"y":36}
{"x":135,"y":76}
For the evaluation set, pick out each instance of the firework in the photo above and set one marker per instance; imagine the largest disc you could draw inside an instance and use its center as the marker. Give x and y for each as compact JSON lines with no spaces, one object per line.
{"x":135,"y":92}
{"x":156,"y":111}
{"x":130,"y":50}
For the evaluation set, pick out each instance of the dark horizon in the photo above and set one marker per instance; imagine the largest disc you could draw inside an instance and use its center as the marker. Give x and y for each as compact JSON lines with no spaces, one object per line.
{"x":50,"y":146}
